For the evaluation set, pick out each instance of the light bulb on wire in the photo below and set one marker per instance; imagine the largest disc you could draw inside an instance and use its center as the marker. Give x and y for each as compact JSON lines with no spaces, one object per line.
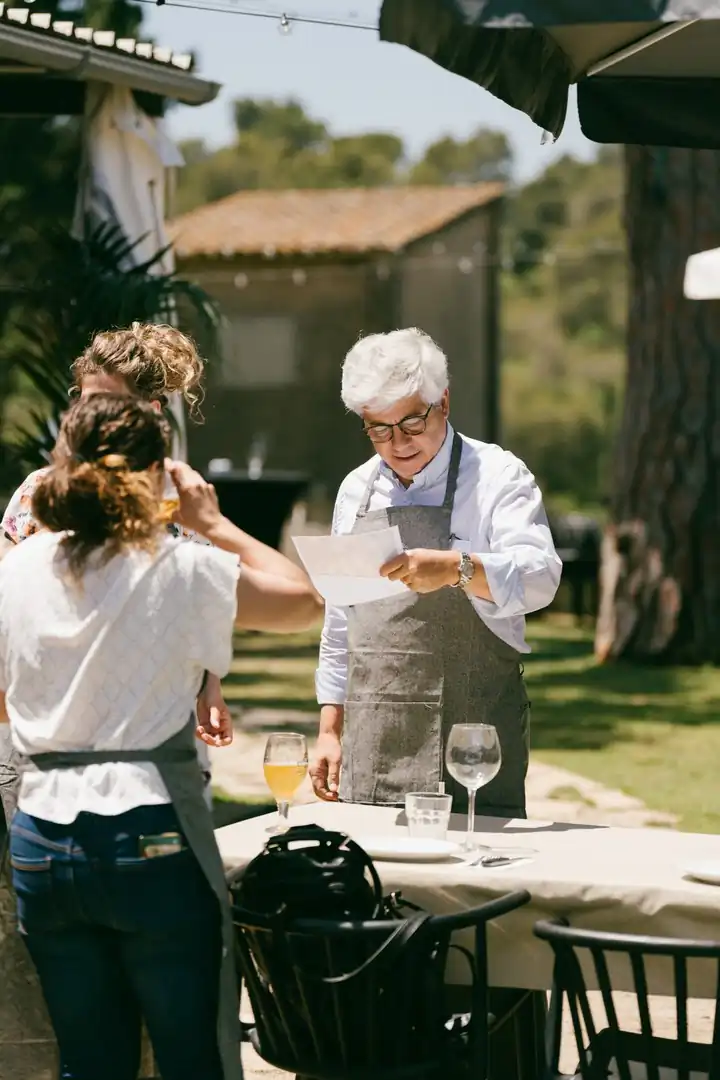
{"x":285,"y":26}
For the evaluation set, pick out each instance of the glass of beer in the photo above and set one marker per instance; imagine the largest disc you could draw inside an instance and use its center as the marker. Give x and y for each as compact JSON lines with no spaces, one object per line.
{"x":170,"y":501}
{"x":285,"y":765}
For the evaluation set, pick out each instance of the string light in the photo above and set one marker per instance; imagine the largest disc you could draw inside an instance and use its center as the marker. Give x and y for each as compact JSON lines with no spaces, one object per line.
{"x":285,"y":20}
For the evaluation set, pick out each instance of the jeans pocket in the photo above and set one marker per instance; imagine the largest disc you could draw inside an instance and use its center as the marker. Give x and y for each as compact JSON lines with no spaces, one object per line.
{"x":33,"y":880}
{"x":158,"y":895}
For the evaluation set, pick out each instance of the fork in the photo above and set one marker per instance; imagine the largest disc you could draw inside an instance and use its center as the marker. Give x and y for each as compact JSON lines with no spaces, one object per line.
{"x":492,"y":860}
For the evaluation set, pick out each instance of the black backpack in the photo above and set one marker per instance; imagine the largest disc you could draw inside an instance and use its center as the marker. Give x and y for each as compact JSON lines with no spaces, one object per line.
{"x":311,"y":873}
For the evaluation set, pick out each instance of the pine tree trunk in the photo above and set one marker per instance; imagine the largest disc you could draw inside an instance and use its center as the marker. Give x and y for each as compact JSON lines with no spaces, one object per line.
{"x":660,"y":577}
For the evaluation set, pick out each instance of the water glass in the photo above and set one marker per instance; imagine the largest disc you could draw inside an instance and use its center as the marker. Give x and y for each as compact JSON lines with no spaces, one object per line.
{"x":428,"y":814}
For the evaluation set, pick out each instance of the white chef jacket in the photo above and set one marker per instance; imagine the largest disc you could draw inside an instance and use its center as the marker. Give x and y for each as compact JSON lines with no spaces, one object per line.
{"x":498,"y":515}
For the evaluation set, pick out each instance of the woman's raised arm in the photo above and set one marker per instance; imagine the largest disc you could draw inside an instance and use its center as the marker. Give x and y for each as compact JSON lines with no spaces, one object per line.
{"x":272,"y":593}
{"x":268,"y":602}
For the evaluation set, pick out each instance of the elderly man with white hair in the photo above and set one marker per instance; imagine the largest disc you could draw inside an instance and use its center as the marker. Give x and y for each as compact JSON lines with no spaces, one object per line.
{"x":394,"y":675}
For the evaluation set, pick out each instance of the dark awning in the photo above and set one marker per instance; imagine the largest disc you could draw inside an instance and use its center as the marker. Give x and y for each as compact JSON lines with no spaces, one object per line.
{"x":648,"y":71}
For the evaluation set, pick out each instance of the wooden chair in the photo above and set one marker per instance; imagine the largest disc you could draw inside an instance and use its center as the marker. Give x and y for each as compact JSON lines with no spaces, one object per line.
{"x":365,"y":1000}
{"x":612,"y":1051}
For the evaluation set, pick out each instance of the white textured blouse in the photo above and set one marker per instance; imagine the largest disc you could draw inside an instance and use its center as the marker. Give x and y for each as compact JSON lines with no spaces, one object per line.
{"x":114,"y":661}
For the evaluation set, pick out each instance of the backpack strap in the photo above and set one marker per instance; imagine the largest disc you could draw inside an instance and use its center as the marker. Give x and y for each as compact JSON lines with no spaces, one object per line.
{"x":408,"y":930}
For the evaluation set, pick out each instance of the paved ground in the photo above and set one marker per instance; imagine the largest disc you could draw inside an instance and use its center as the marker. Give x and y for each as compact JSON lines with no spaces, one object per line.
{"x":552,"y":793}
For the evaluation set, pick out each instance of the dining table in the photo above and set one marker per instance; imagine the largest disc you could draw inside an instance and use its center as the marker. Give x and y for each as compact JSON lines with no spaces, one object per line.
{"x":597,"y":877}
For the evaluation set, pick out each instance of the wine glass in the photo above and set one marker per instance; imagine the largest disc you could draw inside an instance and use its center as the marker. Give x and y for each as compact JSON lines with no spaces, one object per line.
{"x":170,"y":500}
{"x":285,"y":765}
{"x":473,"y":758}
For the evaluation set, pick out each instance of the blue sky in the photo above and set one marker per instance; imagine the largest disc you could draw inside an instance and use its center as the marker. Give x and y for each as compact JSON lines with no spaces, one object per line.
{"x":345,"y":77}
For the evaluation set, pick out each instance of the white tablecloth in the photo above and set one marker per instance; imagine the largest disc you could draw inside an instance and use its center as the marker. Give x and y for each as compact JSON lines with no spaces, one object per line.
{"x":622,"y":880}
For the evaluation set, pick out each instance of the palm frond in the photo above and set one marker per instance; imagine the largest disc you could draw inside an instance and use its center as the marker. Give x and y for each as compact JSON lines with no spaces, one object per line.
{"x":72,"y":289}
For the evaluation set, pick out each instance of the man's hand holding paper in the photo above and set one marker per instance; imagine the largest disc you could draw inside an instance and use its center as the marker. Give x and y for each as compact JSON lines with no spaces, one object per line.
{"x":346,"y":570}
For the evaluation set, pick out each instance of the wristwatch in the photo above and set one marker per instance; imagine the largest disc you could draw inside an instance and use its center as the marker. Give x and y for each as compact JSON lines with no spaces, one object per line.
{"x":466,"y":571}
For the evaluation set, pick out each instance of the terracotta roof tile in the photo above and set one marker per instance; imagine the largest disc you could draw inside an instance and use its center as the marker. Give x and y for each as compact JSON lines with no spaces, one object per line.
{"x":351,"y":220}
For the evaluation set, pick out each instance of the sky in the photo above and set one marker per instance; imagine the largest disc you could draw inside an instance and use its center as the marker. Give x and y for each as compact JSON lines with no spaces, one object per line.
{"x":344,"y":76}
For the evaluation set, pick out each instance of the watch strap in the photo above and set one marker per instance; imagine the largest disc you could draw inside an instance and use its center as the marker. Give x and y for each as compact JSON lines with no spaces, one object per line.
{"x":465,"y":572}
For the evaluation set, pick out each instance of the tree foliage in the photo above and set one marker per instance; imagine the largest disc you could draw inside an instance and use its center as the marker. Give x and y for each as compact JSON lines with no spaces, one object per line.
{"x":277,"y":145}
{"x":485,"y":156}
{"x":81,"y":286}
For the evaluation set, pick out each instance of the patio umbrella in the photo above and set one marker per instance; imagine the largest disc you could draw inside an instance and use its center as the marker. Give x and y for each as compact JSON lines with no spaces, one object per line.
{"x":647,"y":71}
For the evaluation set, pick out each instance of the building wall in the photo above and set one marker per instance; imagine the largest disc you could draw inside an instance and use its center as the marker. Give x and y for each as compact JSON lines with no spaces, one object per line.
{"x":291,"y":325}
{"x":448,"y":289}
{"x":301,"y":416}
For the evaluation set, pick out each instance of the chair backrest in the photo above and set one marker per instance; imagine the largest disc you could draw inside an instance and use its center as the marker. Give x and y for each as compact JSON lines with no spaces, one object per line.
{"x":337,"y":999}
{"x":605,"y":1042}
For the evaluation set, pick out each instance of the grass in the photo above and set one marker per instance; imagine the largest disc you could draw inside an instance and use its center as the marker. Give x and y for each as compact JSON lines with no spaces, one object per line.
{"x":651,"y":732}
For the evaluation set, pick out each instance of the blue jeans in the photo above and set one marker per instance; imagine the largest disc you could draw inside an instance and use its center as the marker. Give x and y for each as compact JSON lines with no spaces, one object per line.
{"x":115,"y":938}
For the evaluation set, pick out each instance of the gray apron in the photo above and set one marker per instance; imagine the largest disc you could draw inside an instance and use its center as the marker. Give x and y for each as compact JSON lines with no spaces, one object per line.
{"x":177,"y":762}
{"x":417,"y":664}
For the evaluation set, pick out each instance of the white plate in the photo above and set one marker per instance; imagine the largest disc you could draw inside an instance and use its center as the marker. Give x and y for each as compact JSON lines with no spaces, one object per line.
{"x":408,"y":848}
{"x":707,"y":871}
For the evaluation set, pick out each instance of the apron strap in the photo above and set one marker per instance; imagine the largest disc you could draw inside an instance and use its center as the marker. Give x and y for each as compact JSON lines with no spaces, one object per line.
{"x":365,"y":504}
{"x":71,"y":759}
{"x":453,"y":471}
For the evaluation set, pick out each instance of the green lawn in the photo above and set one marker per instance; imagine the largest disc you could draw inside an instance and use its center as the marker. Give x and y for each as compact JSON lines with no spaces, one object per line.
{"x":653,"y":732}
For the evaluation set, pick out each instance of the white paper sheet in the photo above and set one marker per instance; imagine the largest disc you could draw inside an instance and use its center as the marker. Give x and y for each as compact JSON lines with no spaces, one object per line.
{"x":345,"y":569}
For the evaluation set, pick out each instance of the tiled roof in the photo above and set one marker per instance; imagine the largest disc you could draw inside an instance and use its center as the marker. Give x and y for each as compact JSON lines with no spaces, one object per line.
{"x":61,"y":47}
{"x":323,"y":221}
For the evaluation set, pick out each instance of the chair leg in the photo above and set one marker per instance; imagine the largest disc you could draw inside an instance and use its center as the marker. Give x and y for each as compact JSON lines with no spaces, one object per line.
{"x":517,"y":1044}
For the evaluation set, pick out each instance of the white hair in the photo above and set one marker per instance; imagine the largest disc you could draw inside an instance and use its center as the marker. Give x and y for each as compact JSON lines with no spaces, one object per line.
{"x":382,"y":369}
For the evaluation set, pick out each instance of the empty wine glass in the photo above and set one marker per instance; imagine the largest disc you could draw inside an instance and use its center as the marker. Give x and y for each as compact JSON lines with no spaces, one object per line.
{"x":473,"y":757}
{"x":285,"y":765}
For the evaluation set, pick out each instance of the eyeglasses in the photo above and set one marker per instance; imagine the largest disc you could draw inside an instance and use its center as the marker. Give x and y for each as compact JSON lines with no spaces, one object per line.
{"x":409,"y":425}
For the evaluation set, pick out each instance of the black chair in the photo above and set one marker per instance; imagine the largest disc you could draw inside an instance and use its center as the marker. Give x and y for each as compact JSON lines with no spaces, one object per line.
{"x":612,"y":1051}
{"x":365,"y":1000}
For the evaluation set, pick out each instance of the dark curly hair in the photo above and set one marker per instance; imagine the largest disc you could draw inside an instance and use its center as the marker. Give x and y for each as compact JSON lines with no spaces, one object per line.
{"x":102,"y":488}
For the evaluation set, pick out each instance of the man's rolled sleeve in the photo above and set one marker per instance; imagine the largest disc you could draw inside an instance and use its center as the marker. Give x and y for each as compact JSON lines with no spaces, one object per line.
{"x":521,"y":566}
{"x":332,"y":671}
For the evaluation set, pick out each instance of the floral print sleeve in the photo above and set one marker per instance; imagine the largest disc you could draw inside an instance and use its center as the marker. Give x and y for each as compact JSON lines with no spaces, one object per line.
{"x":181,"y":533}
{"x":18,"y":522}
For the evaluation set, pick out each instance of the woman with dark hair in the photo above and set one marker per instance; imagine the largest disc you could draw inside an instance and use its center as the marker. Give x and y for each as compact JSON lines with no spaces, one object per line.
{"x":106,"y":628}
